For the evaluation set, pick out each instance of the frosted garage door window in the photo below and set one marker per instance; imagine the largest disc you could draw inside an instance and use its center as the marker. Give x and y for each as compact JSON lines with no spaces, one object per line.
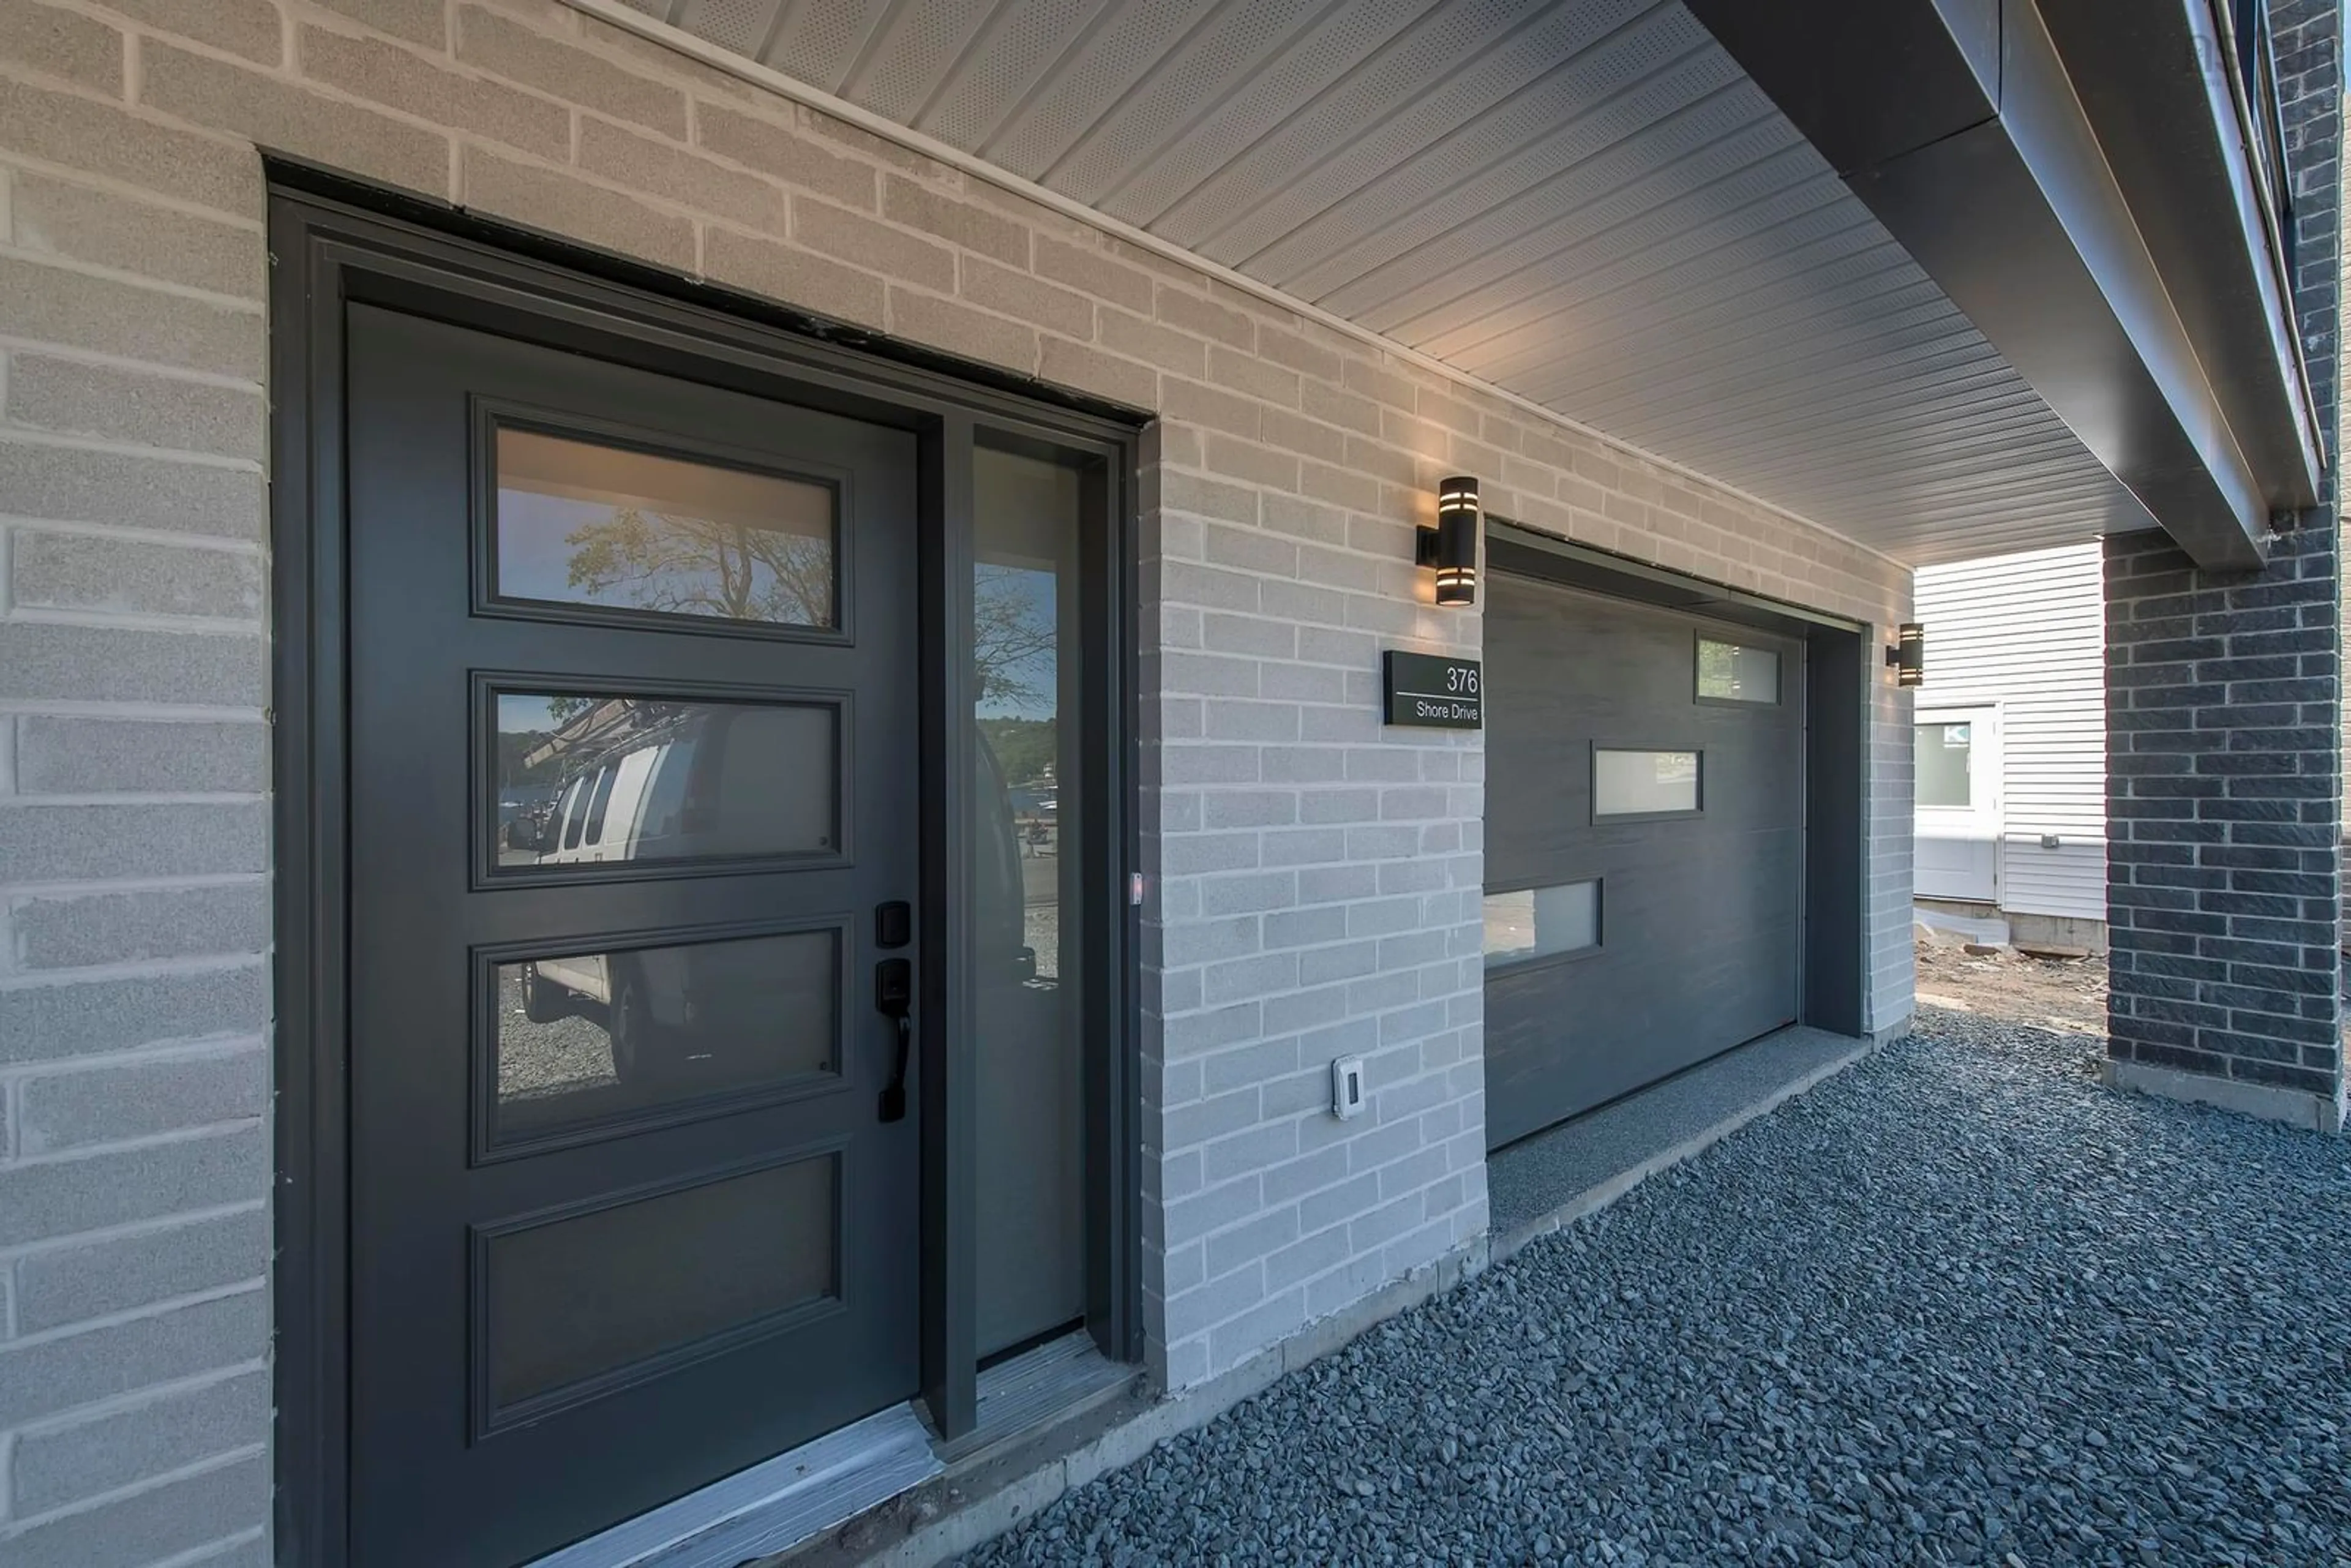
{"x":1538,"y":922}
{"x":1644,"y":783}
{"x":1728,"y":673}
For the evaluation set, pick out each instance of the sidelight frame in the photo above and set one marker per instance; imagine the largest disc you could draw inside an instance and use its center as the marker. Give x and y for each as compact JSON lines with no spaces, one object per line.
{"x":335,"y":242}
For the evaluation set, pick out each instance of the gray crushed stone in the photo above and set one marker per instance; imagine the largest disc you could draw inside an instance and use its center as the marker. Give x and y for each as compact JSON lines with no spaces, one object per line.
{"x":1958,"y":1305}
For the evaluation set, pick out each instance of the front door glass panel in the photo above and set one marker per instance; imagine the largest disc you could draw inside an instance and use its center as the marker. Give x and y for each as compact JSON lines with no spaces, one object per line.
{"x":576,"y":1301}
{"x":585,"y":780}
{"x":583,"y":523}
{"x":583,"y":1038}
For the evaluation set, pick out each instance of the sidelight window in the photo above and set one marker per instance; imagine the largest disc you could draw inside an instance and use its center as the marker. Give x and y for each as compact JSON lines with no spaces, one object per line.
{"x":1035,"y":903}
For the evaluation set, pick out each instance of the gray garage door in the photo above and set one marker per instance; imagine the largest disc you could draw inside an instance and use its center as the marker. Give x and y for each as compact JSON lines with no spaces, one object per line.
{"x":1644,"y":846}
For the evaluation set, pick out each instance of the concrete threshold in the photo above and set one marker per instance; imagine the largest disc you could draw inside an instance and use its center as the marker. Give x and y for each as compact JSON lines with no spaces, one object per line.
{"x":1557,"y":1177}
{"x":1535,"y":1186}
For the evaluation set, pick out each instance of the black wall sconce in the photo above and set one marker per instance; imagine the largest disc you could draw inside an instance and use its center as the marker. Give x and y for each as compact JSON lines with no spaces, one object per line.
{"x":1451,"y":547}
{"x":1908,"y":657}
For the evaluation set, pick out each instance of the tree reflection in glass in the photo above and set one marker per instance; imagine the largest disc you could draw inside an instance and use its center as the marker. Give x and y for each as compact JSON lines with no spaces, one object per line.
{"x":603,"y":526}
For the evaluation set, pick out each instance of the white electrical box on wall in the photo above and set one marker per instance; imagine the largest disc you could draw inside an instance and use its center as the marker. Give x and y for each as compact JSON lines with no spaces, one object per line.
{"x":1347,"y":1088}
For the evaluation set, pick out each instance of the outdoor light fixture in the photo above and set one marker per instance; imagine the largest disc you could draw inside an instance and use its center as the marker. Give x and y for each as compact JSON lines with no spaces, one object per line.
{"x":1451,"y":547}
{"x":1908,"y":657}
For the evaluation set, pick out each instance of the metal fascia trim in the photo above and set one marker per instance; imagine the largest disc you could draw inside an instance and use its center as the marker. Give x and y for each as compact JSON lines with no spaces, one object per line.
{"x":620,"y":14}
{"x":2230,"y":109}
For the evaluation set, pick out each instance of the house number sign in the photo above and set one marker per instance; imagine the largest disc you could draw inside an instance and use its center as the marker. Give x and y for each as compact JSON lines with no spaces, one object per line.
{"x":1429,"y":691}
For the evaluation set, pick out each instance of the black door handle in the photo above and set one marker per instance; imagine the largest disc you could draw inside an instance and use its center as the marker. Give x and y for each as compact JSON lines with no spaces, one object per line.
{"x":893,"y":998}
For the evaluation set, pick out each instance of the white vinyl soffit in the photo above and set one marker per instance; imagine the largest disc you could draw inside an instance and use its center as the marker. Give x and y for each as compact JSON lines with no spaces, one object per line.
{"x":1585,"y":204}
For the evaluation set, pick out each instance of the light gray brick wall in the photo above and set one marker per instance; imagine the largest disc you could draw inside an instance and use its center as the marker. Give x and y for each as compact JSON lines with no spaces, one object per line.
{"x":134,"y":1164}
{"x":1315,"y":879}
{"x":1892,"y":809}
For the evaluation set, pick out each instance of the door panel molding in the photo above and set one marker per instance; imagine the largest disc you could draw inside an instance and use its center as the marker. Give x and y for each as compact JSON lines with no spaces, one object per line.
{"x":487,"y":1418}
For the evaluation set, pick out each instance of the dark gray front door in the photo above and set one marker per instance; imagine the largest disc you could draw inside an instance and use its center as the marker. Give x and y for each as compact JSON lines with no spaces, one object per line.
{"x":633,"y":766}
{"x":1643,"y":846}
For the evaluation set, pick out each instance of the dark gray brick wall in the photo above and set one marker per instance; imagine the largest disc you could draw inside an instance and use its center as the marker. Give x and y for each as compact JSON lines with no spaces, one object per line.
{"x":2224,"y":720}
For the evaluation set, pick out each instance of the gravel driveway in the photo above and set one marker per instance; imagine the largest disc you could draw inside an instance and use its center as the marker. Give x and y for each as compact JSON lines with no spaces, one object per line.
{"x":1959,"y":1304}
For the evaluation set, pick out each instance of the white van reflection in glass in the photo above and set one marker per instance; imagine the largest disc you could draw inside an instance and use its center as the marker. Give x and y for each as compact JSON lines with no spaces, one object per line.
{"x":584,"y":779}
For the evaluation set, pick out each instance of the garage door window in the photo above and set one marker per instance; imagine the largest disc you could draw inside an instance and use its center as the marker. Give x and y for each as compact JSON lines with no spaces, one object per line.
{"x":1541,"y":923}
{"x":1733,"y":673}
{"x":1638,"y":784}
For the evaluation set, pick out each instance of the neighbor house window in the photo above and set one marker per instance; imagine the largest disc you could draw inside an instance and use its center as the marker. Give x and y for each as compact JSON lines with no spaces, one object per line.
{"x":1644,"y":783}
{"x":1945,"y":770}
{"x":1733,"y":673}
{"x":1541,"y":922}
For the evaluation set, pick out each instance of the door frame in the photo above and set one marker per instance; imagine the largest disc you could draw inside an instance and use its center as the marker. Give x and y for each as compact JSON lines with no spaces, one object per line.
{"x":335,"y":242}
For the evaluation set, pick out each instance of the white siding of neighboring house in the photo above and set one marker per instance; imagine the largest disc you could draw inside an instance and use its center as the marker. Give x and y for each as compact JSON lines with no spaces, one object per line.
{"x":2027,"y":632}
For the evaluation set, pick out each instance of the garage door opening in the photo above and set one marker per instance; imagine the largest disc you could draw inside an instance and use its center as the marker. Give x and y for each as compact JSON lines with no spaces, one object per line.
{"x":1673,"y":827}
